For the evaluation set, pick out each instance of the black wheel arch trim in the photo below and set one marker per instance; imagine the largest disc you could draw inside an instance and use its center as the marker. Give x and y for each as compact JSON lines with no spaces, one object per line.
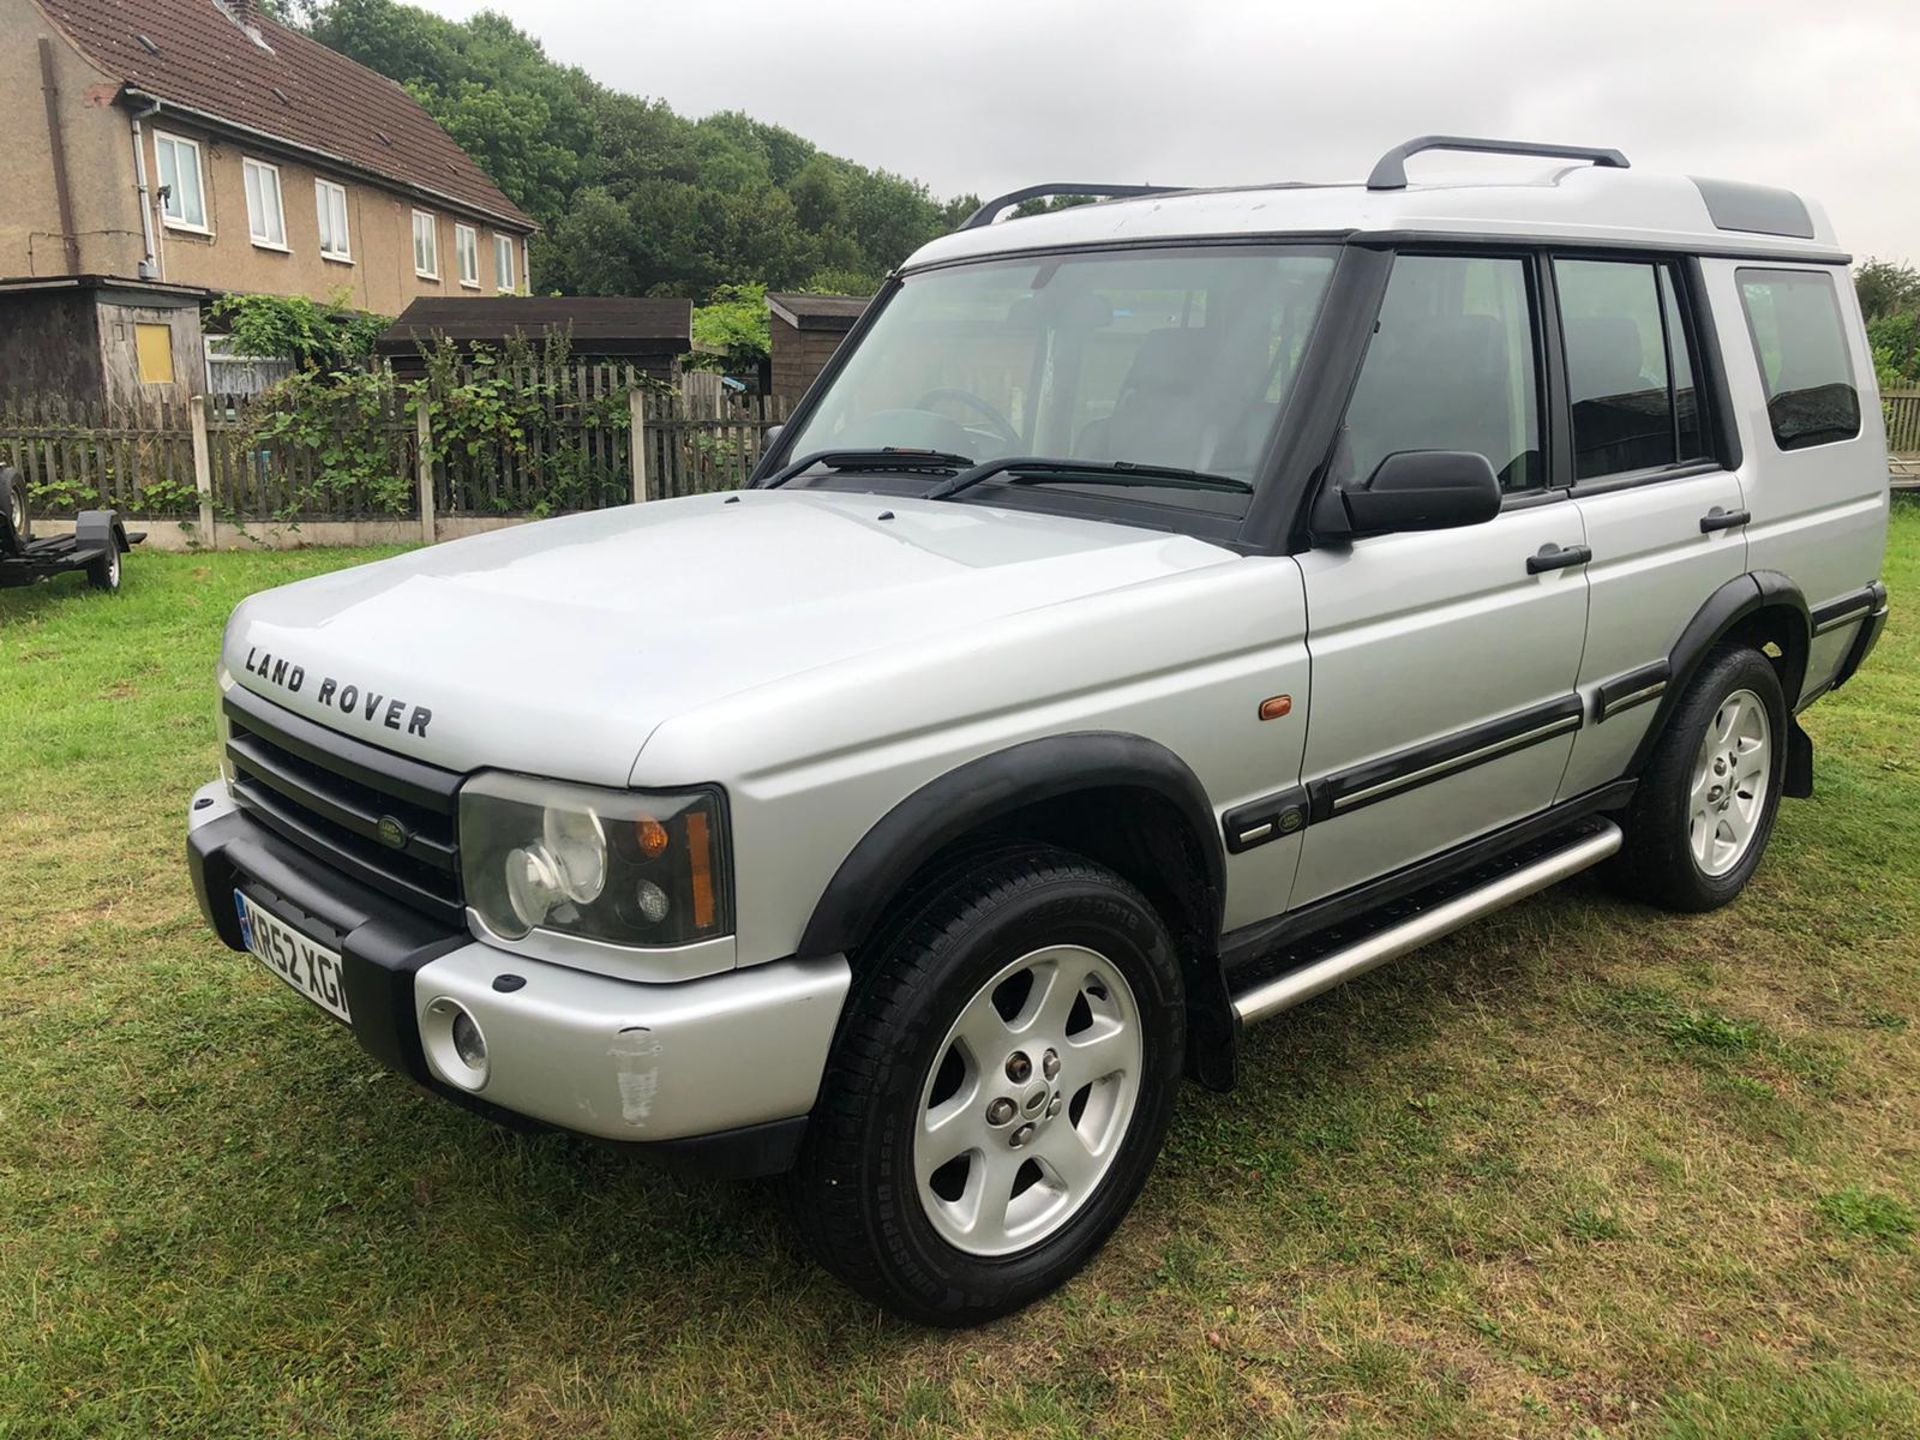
{"x":1740,"y":597}
{"x":970,"y":796}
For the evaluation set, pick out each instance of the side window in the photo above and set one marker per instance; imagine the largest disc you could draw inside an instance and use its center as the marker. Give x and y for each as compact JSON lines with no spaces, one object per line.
{"x":1630,"y":370}
{"x":1801,"y":343}
{"x":1451,"y":367}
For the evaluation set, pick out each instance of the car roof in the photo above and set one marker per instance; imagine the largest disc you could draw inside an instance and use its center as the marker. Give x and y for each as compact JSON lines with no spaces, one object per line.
{"x":1570,"y":204}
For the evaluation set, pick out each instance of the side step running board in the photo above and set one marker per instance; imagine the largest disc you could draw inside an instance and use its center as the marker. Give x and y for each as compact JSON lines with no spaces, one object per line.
{"x":1283,"y":992}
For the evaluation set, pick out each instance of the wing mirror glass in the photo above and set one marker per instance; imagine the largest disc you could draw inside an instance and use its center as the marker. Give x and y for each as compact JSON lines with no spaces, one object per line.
{"x":1412,"y":490}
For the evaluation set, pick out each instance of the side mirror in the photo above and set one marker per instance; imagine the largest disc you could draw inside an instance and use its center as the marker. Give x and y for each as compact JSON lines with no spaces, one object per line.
{"x":1412,"y":490}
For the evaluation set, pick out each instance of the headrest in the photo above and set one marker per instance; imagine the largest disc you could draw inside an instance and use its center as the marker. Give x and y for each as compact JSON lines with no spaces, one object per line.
{"x":1604,"y":356}
{"x":1171,"y":359}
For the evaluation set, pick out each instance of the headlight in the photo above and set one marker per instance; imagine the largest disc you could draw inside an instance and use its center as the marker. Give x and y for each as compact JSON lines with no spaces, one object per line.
{"x":623,"y":867}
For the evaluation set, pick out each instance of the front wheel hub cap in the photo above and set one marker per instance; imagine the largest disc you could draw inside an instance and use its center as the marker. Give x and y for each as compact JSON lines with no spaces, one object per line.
{"x":990,"y":1191}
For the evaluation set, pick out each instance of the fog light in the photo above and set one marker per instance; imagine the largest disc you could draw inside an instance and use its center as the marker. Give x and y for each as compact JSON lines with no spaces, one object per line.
{"x":468,"y":1043}
{"x":455,"y":1043}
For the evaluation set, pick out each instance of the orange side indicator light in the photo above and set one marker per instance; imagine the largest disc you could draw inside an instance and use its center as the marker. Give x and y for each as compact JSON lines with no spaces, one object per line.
{"x":700,"y":867}
{"x":1276,"y":706}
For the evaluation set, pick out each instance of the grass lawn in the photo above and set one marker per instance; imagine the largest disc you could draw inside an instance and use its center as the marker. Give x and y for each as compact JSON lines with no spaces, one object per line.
{"x":1580,"y":1170}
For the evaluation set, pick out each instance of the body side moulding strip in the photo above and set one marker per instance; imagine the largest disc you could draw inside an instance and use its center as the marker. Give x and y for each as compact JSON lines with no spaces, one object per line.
{"x":1268,"y":818}
{"x":1347,"y":790}
{"x":1847,"y":608}
{"x":1635,"y":687}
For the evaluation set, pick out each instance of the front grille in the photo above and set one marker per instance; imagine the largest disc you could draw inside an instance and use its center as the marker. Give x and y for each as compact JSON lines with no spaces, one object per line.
{"x":333,"y":797}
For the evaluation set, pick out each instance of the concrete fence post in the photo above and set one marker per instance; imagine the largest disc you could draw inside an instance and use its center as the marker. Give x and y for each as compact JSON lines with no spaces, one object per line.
{"x":637,"y":415}
{"x":423,"y":466}
{"x":202,"y":466}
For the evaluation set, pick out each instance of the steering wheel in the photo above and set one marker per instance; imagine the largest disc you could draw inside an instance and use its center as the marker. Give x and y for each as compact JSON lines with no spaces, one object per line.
{"x":1000,"y":424}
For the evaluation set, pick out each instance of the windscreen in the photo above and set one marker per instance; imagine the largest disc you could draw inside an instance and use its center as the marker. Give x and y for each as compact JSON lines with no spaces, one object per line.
{"x":1177,"y":357}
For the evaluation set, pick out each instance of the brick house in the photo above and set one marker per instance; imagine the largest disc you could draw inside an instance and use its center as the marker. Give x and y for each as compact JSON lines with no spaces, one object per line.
{"x":166,"y":152}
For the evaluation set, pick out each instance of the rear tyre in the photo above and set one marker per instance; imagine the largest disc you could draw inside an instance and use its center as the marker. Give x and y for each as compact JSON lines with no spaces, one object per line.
{"x":999,"y":1090}
{"x":104,"y":573}
{"x":1705,"y":807}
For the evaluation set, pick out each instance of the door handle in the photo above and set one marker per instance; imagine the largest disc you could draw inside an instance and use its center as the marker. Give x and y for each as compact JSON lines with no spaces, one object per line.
{"x":1554,"y":557}
{"x":1718,"y":519}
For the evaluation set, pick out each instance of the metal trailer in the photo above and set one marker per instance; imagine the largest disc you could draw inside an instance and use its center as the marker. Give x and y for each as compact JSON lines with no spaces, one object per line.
{"x":95,"y":546}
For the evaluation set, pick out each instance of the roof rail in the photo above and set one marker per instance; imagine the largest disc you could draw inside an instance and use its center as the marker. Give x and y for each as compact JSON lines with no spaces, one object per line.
{"x":1390,"y":170}
{"x":990,"y":211}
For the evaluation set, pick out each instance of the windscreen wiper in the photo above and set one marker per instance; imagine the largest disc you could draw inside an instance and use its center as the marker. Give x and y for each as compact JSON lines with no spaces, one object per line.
{"x":889,"y":457}
{"x":1035,"y":469}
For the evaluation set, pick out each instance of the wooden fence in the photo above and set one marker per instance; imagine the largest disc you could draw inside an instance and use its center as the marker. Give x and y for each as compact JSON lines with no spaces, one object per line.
{"x":1903,"y":421}
{"x":568,"y":444}
{"x":74,"y":456}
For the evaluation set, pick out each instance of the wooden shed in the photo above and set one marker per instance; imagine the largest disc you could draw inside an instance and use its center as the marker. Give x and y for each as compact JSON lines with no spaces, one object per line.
{"x":649,"y":334}
{"x":807,"y":329}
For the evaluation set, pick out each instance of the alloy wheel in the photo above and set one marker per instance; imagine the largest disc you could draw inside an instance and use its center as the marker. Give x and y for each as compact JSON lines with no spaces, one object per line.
{"x":1731,"y":773}
{"x":1028,"y":1100}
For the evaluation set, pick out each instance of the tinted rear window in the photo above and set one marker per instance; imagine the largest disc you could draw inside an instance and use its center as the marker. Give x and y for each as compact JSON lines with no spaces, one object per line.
{"x":1801,"y":343}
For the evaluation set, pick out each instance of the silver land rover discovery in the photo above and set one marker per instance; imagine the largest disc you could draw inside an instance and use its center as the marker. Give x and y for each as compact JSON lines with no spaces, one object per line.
{"x":1160,"y":611}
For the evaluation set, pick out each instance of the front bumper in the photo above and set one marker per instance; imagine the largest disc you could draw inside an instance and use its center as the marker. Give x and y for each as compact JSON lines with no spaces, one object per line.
{"x":719,"y":1072}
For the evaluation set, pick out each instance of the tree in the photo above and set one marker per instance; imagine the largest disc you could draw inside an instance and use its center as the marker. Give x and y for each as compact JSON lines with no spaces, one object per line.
{"x":735,"y":327}
{"x":1889,"y":294}
{"x":315,"y":336}
{"x":1886,"y":287}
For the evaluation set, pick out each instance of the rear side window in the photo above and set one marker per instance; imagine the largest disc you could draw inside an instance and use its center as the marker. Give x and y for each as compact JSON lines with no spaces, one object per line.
{"x":1451,"y":367}
{"x":1629,"y":367}
{"x":1801,"y":343}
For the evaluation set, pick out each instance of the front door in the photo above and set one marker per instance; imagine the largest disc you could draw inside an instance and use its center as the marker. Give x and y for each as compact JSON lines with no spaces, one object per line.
{"x":1443,"y":663}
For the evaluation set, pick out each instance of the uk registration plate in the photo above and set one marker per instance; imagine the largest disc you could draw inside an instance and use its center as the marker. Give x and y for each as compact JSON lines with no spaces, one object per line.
{"x":310,"y":968}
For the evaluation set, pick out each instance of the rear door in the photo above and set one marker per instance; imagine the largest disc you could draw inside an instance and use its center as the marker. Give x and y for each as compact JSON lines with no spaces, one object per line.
{"x":1815,"y":473}
{"x":1444,"y":662}
{"x":1663,"y":509}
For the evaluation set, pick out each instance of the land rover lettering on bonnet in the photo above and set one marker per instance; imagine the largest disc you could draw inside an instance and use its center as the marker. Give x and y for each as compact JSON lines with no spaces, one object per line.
{"x":370,"y":705}
{"x":915,"y":820}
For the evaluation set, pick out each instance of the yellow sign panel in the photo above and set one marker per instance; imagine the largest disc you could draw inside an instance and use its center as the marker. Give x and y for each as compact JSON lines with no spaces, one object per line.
{"x":154,"y":345}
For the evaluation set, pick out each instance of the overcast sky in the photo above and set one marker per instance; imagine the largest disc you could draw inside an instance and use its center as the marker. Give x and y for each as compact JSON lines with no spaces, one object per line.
{"x":988,"y":95}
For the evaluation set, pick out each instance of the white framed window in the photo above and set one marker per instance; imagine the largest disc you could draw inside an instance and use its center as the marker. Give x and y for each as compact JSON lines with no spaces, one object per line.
{"x":503,"y":262}
{"x":426,"y":246}
{"x":466,"y":252}
{"x":330,"y":200}
{"x":183,"y":199}
{"x":266,"y":217}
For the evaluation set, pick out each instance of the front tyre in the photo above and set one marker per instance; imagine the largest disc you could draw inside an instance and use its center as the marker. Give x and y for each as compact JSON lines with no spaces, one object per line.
{"x":999,"y":1089}
{"x":1705,"y":808}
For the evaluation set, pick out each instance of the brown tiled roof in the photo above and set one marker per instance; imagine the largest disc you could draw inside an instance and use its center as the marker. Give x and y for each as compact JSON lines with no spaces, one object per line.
{"x":201,"y":56}
{"x":598,"y":324}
